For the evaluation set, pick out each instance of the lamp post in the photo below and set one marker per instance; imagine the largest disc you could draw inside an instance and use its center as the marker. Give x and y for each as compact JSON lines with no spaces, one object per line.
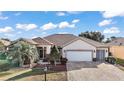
{"x":45,"y":72}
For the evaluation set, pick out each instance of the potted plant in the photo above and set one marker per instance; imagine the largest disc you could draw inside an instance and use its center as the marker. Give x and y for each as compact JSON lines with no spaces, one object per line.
{"x":63,"y":61}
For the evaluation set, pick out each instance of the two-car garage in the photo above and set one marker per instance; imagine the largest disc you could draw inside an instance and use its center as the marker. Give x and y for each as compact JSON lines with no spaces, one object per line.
{"x":77,"y":56}
{"x":78,"y":51}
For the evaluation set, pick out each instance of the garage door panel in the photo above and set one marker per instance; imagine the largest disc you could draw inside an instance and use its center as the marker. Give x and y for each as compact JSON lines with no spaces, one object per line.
{"x":79,"y":55}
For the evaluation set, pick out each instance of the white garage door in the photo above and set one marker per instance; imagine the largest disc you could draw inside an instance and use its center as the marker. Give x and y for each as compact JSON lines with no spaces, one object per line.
{"x":79,"y":55}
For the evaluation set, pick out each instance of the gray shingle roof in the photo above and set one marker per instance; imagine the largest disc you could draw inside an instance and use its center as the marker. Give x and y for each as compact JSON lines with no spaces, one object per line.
{"x":63,"y":39}
{"x":117,"y":42}
{"x":41,"y":41}
{"x":60,"y":39}
{"x":94,"y":43}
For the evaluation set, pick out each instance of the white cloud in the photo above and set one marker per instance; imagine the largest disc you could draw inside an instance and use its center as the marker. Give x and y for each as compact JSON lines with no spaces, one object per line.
{"x":26,"y":27}
{"x":75,"y":21}
{"x":110,"y":14}
{"x":66,"y":24}
{"x":6,"y":29}
{"x":60,"y":13}
{"x":48,"y":26}
{"x":112,"y":30}
{"x":74,"y":12}
{"x":9,"y":35}
{"x":34,"y":37}
{"x":60,"y":25}
{"x":63,"y":13}
{"x":17,"y":14}
{"x":19,"y":32}
{"x":63,"y":33}
{"x":3,"y":17}
{"x":105,"y":22}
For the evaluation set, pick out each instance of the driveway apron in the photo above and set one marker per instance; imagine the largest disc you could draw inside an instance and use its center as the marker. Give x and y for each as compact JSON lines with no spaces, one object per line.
{"x":93,"y":71}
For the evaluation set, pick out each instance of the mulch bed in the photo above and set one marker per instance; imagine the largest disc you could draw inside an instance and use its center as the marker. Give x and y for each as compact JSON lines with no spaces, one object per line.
{"x":58,"y":67}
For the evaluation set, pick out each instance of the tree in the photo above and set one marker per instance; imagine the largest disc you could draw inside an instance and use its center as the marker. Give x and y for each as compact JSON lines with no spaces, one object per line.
{"x":110,"y":39}
{"x":113,"y":37}
{"x":97,"y":36}
{"x":20,"y":51}
{"x":54,"y":55}
{"x":6,"y":39}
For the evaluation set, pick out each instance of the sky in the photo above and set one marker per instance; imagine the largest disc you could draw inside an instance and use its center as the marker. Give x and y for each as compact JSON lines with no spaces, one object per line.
{"x":31,"y":24}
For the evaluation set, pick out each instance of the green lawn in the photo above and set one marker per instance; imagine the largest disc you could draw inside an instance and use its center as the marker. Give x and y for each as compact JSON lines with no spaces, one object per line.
{"x":120,"y":63}
{"x":37,"y":74}
{"x":2,"y":74}
{"x":9,"y":73}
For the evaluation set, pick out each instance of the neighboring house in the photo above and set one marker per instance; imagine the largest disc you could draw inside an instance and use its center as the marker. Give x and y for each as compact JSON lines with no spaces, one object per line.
{"x":116,"y":48}
{"x":4,"y":44}
{"x":72,"y":47}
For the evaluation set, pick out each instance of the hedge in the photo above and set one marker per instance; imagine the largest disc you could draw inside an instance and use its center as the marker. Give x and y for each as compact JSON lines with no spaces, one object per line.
{"x":4,"y":65}
{"x":2,"y":56}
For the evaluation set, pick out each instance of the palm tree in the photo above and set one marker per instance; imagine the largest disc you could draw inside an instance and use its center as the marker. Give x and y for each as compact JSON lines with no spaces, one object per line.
{"x":20,"y":51}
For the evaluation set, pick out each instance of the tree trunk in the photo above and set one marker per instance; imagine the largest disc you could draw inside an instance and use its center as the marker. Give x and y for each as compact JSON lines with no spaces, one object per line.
{"x":20,"y":61}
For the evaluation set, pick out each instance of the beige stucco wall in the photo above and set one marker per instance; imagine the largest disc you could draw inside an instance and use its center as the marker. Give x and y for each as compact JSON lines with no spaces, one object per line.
{"x":106,"y":51}
{"x":117,"y":51}
{"x":79,"y":45}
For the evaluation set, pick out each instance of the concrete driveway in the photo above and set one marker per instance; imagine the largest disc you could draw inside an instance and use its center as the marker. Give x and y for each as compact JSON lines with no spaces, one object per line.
{"x":93,"y":71}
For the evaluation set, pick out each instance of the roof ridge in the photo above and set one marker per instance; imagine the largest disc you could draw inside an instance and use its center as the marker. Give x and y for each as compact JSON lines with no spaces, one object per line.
{"x":47,"y":40}
{"x":59,"y":34}
{"x":42,"y":39}
{"x":91,"y":40}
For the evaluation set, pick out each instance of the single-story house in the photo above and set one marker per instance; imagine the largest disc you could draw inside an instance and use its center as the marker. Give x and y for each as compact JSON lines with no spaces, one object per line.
{"x":72,"y":47}
{"x":116,"y":48}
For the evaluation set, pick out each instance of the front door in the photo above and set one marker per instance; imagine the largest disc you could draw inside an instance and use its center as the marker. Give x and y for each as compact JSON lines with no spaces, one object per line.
{"x":100,"y":55}
{"x":41,"y":53}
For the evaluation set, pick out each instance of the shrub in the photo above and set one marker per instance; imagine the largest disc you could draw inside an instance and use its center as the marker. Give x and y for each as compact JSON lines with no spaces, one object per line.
{"x":2,"y":56}
{"x":94,"y":59}
{"x":54,"y":54}
{"x":120,"y":61}
{"x":110,"y":60}
{"x":4,"y":65}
